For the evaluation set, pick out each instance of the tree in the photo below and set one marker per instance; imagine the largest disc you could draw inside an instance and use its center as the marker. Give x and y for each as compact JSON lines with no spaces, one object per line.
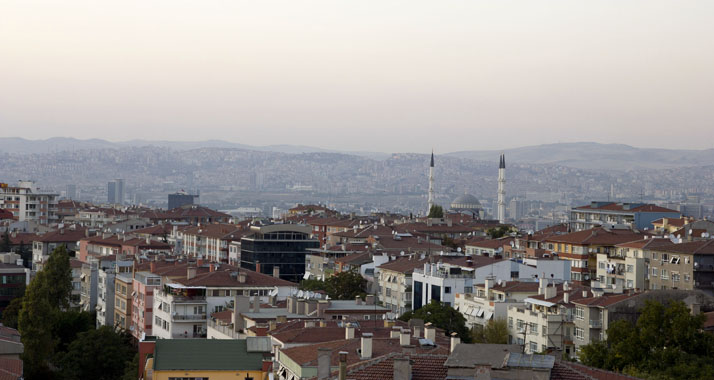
{"x":36,"y":317}
{"x":25,"y":254}
{"x":99,"y":354}
{"x":498,"y":232}
{"x":313,"y":285}
{"x":442,"y":316}
{"x":58,"y":278}
{"x":346,"y":285}
{"x":5,"y":244}
{"x":495,"y":332}
{"x":11,"y":312}
{"x":69,"y":324}
{"x":665,"y":342}
{"x":436,"y":211}
{"x":131,"y":370}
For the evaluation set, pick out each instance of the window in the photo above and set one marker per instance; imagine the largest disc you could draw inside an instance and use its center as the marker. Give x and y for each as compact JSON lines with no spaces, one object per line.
{"x":215,"y":292}
{"x":389,"y":292}
{"x":519,"y":325}
{"x":654,"y":272}
{"x":686,"y":278}
{"x":601,"y":264}
{"x":630,"y":284}
{"x":674,"y":260}
{"x":510,"y":321}
{"x":579,"y":334}
{"x":447,"y":290}
{"x":665,"y":257}
{"x":654,"y":255}
{"x":630,"y":268}
{"x":664,"y":274}
{"x":579,"y":313}
{"x":686,"y":260}
{"x":533,"y":346}
{"x":468,"y":289}
{"x":675,"y":277}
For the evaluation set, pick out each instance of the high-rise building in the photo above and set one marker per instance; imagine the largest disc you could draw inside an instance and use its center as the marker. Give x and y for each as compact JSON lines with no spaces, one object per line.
{"x":26,"y":202}
{"x":71,"y":192}
{"x":277,"y":245}
{"x":502,"y":190}
{"x":431,"y":184}
{"x":115,"y":191}
{"x":181,"y":198}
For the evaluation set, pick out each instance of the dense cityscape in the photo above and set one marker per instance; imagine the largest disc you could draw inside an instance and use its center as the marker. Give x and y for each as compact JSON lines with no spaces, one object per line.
{"x":529,"y":287}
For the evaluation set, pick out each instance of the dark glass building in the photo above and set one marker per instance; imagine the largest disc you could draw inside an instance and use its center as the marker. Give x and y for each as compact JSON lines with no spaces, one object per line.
{"x":180,"y":199}
{"x":281,"y":245}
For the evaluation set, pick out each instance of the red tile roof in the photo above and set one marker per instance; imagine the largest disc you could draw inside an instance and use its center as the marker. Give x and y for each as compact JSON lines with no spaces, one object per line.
{"x":491,"y":243}
{"x":64,"y":235}
{"x":10,"y":369}
{"x":622,"y":207}
{"x":604,"y":300}
{"x":404,"y":264}
{"x":597,"y":236}
{"x":223,"y":278}
{"x":701,"y":247}
{"x":424,"y":367}
{"x":574,"y":371}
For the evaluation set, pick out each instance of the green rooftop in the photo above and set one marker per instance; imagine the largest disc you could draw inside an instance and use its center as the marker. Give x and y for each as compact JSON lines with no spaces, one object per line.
{"x":205,"y":354}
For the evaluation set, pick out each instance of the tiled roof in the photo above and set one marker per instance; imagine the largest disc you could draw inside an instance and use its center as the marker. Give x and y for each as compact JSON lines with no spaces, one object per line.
{"x":157,"y":230}
{"x":646,"y":243}
{"x":701,"y":247}
{"x":218,"y":231}
{"x":329,"y":333}
{"x":223,"y":278}
{"x":10,"y":369}
{"x":612,"y":206}
{"x":17,"y":238}
{"x":597,"y":236}
{"x":604,"y":300}
{"x":403,"y":264}
{"x":675,"y":222}
{"x":491,"y":243}
{"x":408,"y":243}
{"x":424,"y":367}
{"x":357,"y":258}
{"x":574,"y":371}
{"x":67,"y":234}
{"x":205,"y":354}
{"x":185,"y":212}
{"x":307,"y":355}
{"x":225,"y":316}
{"x":74,"y":263}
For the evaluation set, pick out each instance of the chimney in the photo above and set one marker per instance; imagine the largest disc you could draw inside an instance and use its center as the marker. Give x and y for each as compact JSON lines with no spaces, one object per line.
{"x":272,"y":324}
{"x":417,"y":331}
{"x":488,"y":284}
{"x":191,"y":272}
{"x":309,"y":324}
{"x":257,"y":267}
{"x":358,"y":300}
{"x":695,"y":308}
{"x":276,"y":271}
{"x":152,"y":267}
{"x":366,"y":346}
{"x":261,"y":330}
{"x":405,"y":337}
{"x":542,"y":284}
{"x":241,"y":277}
{"x":550,"y":292}
{"x":388,"y":323}
{"x":566,"y":286}
{"x":323,"y":323}
{"x":430,"y":332}
{"x":322,"y":305}
{"x":585,"y":294}
{"x":402,"y":369}
{"x":323,"y":363}
{"x":566,"y":297}
{"x":349,"y":331}
{"x":212,"y":268}
{"x":369,"y":299}
{"x":199,"y":262}
{"x":455,"y":341}
{"x":409,"y":350}
{"x":301,"y":307}
{"x":256,"y":304}
{"x":343,"y":365}
{"x":396,"y":331}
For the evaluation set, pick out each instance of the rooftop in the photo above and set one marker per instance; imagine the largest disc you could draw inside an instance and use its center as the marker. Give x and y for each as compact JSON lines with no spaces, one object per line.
{"x":205,"y":354}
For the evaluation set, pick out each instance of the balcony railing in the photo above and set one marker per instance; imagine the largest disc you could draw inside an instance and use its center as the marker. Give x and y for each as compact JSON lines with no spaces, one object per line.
{"x":189,"y":335}
{"x":189,"y":317}
{"x":223,"y":329}
{"x":595,"y":324}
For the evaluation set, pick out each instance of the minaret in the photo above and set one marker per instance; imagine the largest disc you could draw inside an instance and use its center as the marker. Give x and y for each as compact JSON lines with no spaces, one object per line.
{"x":431,"y":184}
{"x":502,"y":190}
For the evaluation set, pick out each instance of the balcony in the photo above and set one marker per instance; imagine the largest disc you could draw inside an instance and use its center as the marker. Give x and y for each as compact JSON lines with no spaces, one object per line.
{"x":595,"y":323}
{"x":189,"y":335}
{"x":188,"y":317}
{"x":223,"y":329}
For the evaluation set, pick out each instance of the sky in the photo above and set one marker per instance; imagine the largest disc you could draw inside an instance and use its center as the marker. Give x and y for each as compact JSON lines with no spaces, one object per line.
{"x":361,"y":75}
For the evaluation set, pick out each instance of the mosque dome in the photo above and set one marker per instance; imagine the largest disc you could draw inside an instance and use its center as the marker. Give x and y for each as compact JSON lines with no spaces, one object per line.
{"x":465,"y":202}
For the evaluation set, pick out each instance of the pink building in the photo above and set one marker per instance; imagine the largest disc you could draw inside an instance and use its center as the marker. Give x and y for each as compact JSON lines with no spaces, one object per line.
{"x":144,"y":285}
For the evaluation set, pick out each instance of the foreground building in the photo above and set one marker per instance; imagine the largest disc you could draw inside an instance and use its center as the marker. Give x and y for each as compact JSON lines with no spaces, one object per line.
{"x":631,"y":215}
{"x":277,"y":245}
{"x":26,"y":202}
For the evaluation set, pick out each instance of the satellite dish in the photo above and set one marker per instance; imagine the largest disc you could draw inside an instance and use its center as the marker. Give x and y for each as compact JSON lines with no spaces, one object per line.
{"x":318,"y":296}
{"x":293,"y":292}
{"x":300,"y":293}
{"x":458,"y":249}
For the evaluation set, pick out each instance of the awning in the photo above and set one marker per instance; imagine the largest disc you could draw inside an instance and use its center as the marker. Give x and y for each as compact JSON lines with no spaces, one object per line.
{"x":306,"y":276}
{"x":476,"y":311}
{"x":488,"y":315}
{"x":469,"y":310}
{"x":456,"y":307}
{"x":480,"y":313}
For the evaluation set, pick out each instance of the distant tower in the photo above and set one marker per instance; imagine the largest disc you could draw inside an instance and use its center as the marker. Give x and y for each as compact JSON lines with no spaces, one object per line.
{"x":431,"y":184}
{"x":502,"y":190}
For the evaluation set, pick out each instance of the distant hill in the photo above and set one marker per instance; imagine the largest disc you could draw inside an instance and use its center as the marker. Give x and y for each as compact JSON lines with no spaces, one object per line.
{"x":596,"y":156}
{"x":582,"y":155}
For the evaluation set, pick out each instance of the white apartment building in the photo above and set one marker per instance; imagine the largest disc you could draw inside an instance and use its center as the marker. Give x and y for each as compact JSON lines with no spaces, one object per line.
{"x":180,"y":312}
{"x":491,"y":300}
{"x":27,"y":202}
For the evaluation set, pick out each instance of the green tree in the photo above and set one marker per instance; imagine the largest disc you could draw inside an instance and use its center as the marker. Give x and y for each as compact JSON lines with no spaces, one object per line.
{"x":100,"y":354}
{"x":436,"y":211}
{"x":498,"y":232}
{"x":34,"y":323}
{"x":346,"y":285}
{"x":495,"y":332}
{"x":313,"y":285}
{"x":665,"y":342}
{"x":69,"y":324}
{"x":442,"y":316}
{"x":11,"y":312}
{"x":58,"y":278}
{"x":131,"y":371}
{"x":5,"y":244}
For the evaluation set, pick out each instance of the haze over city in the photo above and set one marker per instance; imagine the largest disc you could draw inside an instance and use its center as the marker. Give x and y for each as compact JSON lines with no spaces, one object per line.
{"x":389,"y":76}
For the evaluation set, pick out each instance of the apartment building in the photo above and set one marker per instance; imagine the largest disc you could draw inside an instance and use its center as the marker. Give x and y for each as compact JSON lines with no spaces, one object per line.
{"x":123,"y":300}
{"x":592,"y":317}
{"x":144,"y":286}
{"x":686,"y":266}
{"x":211,"y":241}
{"x":13,"y":279}
{"x":106,"y":290}
{"x":43,"y":245}
{"x":26,"y":202}
{"x":631,"y":215}
{"x":582,"y":247}
{"x":627,"y":266}
{"x":395,"y":283}
{"x":107,"y":244}
{"x":545,"y":321}
{"x":75,"y":297}
{"x":180,"y":312}
{"x":490,"y":300}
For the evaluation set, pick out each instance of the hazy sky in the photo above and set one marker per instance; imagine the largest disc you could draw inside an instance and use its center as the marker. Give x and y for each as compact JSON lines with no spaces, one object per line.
{"x":361,"y":75}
